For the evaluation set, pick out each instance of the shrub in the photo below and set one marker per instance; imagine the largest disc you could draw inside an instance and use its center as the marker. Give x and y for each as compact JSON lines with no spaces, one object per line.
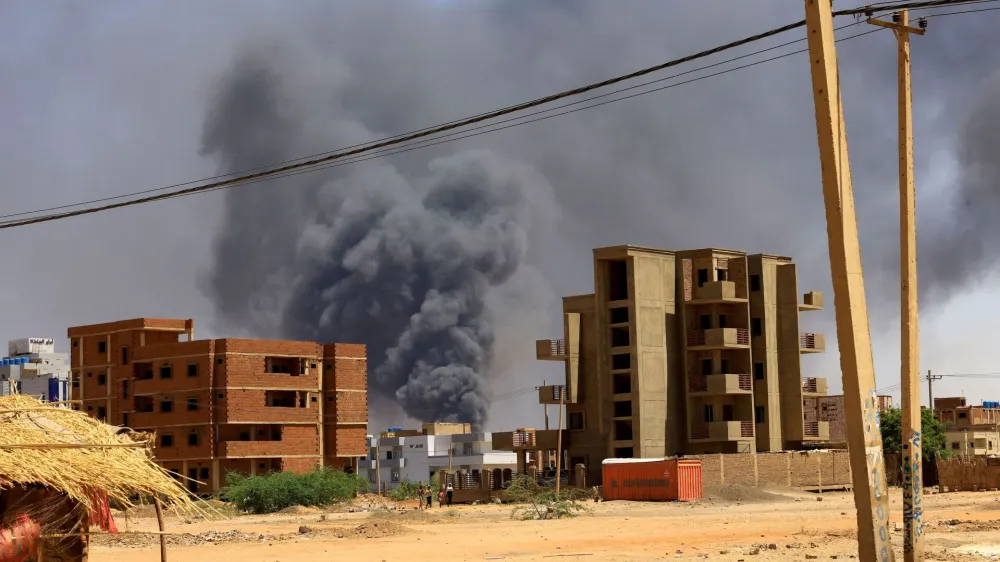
{"x":407,"y":490}
{"x":539,"y":502}
{"x":278,"y":490}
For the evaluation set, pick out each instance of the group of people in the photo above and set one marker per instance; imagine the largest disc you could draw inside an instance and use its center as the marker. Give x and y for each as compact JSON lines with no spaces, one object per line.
{"x":443,"y":495}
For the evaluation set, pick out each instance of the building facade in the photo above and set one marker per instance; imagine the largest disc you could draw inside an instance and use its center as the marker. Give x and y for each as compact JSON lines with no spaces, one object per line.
{"x":32,"y":367}
{"x":224,"y":405}
{"x":830,"y":409}
{"x":685,"y":352}
{"x":418,"y":455}
{"x":969,"y":430}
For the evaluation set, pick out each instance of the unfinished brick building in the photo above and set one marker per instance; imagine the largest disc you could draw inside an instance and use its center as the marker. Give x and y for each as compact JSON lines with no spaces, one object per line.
{"x":224,"y":405}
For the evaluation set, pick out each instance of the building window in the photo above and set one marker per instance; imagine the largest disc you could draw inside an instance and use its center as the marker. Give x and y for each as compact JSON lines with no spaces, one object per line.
{"x":756,"y":326}
{"x":124,"y":388}
{"x":102,"y":413}
{"x":954,"y":445}
{"x":619,"y":315}
{"x":468,"y":449}
{"x":962,"y":415}
{"x":575,"y":421}
{"x":621,"y":361}
{"x":76,"y":380}
{"x":758,"y":414}
{"x":124,"y":355}
{"x":203,"y":473}
{"x":192,"y":404}
{"x":102,"y":379}
{"x":218,"y":361}
{"x":617,"y":280}
{"x":166,"y":372}
{"x":193,"y":439}
{"x":721,"y":275}
{"x":709,"y":413}
{"x":702,"y":277}
{"x":623,"y":409}
{"x":102,"y":347}
{"x":167,"y":406}
{"x":395,"y":476}
{"x":166,"y":440}
{"x":758,"y":371}
{"x":623,"y":452}
{"x":75,"y":342}
{"x":193,"y":370}
{"x":706,"y":366}
{"x":705,"y":321}
{"x":755,"y":282}
{"x":623,"y":430}
{"x":619,"y":337}
{"x":388,"y":455}
{"x":125,"y":419}
{"x":622,"y":383}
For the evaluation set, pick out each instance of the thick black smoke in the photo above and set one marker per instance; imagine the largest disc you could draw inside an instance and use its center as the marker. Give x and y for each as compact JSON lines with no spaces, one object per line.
{"x":961,"y":248}
{"x":367,"y":255}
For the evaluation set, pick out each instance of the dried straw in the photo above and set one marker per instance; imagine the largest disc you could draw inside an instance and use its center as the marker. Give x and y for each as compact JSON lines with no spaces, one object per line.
{"x":67,"y":450}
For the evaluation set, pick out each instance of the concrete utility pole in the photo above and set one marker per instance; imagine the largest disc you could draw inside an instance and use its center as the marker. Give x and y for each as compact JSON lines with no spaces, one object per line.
{"x":930,"y":387}
{"x":562,"y":396}
{"x":864,"y":439}
{"x":913,"y":541}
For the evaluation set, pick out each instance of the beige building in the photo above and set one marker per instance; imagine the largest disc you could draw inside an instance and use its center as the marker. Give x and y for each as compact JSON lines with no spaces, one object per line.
{"x":685,"y":352}
{"x":969,"y":430}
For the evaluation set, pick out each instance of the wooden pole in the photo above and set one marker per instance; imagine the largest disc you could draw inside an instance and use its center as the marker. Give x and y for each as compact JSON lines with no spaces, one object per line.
{"x":546,"y":408}
{"x":378,"y":467}
{"x":871,"y":498}
{"x":562,"y":395}
{"x":159,"y":523}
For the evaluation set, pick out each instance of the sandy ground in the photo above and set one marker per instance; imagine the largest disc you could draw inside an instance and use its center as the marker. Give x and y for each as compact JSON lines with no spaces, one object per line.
{"x":731,"y":524}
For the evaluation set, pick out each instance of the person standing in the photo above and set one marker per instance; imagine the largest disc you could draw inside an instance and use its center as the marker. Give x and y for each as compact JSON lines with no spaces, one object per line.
{"x":427,"y":492}
{"x":420,"y":497}
{"x":451,"y":492}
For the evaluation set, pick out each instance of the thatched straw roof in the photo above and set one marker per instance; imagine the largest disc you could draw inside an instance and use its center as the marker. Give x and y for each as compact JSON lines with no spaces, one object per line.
{"x":68,"y":450}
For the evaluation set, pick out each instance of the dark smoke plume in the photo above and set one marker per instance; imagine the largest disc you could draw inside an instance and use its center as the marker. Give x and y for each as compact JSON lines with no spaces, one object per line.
{"x":367,"y":255}
{"x":963,"y":246}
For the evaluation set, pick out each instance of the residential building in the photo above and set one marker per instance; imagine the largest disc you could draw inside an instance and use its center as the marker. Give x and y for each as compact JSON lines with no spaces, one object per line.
{"x":33,"y":367}
{"x":969,"y":430}
{"x":830,"y":409}
{"x":683,"y":352}
{"x":224,"y":405}
{"x":417,"y":455}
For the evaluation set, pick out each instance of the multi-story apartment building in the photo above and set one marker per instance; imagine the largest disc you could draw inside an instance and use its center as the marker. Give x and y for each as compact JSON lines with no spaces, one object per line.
{"x":32,"y":367}
{"x":224,"y":405}
{"x":969,"y":430}
{"x":417,"y":455}
{"x":685,"y":352}
{"x":830,"y":409}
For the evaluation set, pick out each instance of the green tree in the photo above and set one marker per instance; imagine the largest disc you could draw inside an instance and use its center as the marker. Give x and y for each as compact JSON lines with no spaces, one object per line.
{"x":932,"y":441}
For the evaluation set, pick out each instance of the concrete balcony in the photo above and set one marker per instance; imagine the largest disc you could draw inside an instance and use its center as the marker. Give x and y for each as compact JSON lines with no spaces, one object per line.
{"x":816,"y":431}
{"x":528,"y":440}
{"x":721,"y":431}
{"x":550,"y":350}
{"x":813,"y":300}
{"x":716,"y":292}
{"x":718,"y":338}
{"x":814,"y":385}
{"x":812,"y":343}
{"x":720,"y":384}
{"x":392,"y":463}
{"x":550,"y":394}
{"x":366,"y":464}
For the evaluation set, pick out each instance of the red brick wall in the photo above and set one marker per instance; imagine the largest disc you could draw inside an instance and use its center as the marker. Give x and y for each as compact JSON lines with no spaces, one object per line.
{"x":346,"y":441}
{"x":250,"y":370}
{"x":248,"y":406}
{"x":351,"y":407}
{"x":298,"y":466}
{"x":181,"y":449}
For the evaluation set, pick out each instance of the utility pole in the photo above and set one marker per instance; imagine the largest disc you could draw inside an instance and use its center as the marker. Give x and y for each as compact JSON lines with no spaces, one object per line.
{"x":913,"y":541}
{"x":930,"y":387}
{"x":546,"y":408}
{"x":562,"y":395}
{"x":871,"y":498}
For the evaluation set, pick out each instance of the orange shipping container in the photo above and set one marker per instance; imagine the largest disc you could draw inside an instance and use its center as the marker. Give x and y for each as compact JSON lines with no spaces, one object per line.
{"x":668,"y":479}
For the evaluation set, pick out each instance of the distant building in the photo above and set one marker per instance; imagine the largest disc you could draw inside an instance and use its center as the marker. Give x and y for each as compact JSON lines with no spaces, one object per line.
{"x":969,"y":430}
{"x":677,"y":352}
{"x":416,"y":455}
{"x":32,"y":367}
{"x":830,"y":409}
{"x":224,"y":405}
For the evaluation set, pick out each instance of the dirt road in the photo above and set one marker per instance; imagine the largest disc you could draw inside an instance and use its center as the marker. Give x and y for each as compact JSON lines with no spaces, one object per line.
{"x":734,"y":524}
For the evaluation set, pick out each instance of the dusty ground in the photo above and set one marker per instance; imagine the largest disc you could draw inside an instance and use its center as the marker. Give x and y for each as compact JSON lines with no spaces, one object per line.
{"x":732,"y":524}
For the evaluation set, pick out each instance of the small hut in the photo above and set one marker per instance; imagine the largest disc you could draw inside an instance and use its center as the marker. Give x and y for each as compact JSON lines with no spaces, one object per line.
{"x":59,"y":469}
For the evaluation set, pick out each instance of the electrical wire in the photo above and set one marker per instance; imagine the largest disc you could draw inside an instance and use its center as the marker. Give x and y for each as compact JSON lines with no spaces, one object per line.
{"x":401,"y":139}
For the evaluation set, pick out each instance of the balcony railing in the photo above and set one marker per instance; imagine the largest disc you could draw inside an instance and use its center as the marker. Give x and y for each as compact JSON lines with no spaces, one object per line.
{"x":720,"y":384}
{"x":524,"y":439}
{"x":812,"y":342}
{"x":810,"y":385}
{"x":721,"y":431}
{"x":746,"y":429}
{"x":811,"y":429}
{"x":697,"y":383}
{"x":550,"y":350}
{"x":699,"y":430}
{"x":719,"y":337}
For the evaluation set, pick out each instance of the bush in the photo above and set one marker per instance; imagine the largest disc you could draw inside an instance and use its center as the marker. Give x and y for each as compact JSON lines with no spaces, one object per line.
{"x":541,"y":502}
{"x":278,"y":490}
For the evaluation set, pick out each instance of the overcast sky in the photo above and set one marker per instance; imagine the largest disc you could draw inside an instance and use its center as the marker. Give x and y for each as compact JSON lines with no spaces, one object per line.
{"x":115,"y":96}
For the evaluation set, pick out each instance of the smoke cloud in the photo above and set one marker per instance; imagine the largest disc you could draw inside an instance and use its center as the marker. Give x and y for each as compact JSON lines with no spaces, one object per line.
{"x":404,"y":264}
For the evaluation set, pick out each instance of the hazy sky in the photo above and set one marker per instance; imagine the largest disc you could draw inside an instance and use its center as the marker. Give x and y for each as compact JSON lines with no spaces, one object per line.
{"x":115,"y":97}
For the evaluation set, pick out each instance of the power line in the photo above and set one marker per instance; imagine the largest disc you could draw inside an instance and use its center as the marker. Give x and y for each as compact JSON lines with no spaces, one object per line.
{"x":405,"y":138}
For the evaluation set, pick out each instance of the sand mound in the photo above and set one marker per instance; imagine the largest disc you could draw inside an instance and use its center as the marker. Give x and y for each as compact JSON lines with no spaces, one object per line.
{"x":730,"y":493}
{"x":376,"y":530}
